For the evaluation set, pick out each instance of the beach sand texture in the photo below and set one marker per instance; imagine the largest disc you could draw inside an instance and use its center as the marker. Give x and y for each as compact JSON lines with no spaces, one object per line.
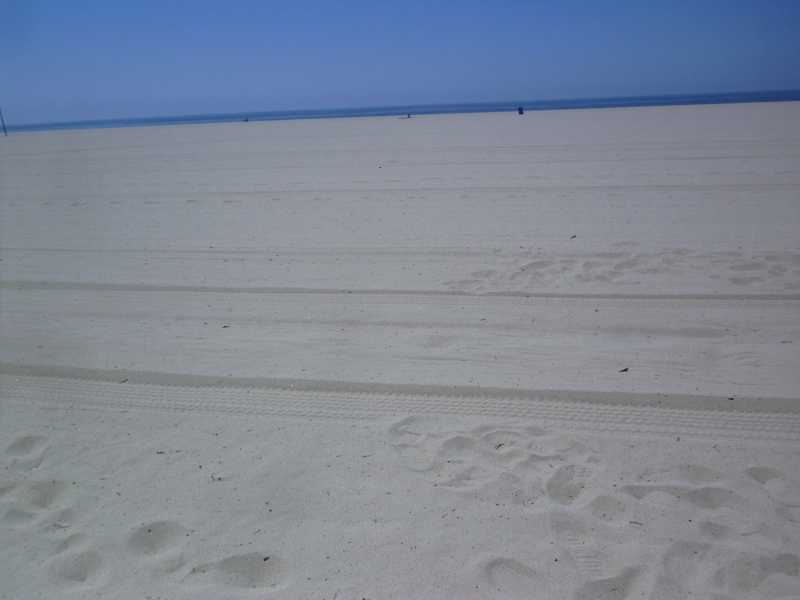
{"x":459,"y":356}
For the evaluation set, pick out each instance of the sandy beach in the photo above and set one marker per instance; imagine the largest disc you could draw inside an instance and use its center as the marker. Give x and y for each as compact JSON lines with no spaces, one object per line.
{"x":456,"y":356}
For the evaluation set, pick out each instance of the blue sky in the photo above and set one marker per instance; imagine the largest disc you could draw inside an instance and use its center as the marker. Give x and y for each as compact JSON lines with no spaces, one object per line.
{"x":63,"y":60}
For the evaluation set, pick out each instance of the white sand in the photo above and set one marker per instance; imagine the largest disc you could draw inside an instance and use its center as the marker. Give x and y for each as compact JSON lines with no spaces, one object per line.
{"x":386,"y":354}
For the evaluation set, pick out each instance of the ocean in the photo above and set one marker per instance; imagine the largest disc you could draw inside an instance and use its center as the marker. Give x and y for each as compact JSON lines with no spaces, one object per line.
{"x":420,"y":109}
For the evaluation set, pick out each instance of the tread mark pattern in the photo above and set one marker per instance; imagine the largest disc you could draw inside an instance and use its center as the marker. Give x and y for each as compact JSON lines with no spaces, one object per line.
{"x":60,"y":392}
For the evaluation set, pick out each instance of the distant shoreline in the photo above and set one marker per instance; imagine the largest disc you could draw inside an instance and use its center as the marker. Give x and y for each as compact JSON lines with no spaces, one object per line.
{"x":419,"y":109}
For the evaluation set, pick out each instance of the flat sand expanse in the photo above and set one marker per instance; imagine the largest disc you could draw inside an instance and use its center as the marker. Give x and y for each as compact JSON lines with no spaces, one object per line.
{"x":466,"y":356}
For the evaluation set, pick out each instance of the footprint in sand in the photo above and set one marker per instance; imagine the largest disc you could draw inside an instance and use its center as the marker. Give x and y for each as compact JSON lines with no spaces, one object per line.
{"x":782,"y":490}
{"x":27,"y":451}
{"x":688,"y":473}
{"x":708,"y":498}
{"x":6,"y":487}
{"x":695,"y":485}
{"x":574,"y":537}
{"x":16,"y":516}
{"x":160,"y":543}
{"x":607,"y":508}
{"x":414,"y":439}
{"x":240,"y":571}
{"x":591,"y":550}
{"x":156,"y":537}
{"x":681,"y":574}
{"x":28,"y":501}
{"x":41,"y":495}
{"x":568,"y":482}
{"x":78,"y":566}
{"x":508,"y":578}
{"x":748,"y":572}
{"x":454,"y":458}
{"x":618,"y":587}
{"x":694,"y":569}
{"x":72,"y":541}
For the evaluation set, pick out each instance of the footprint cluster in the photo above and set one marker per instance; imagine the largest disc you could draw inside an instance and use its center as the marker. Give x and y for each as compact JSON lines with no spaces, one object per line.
{"x":623,"y":266}
{"x":722,"y":531}
{"x":46,"y":509}
{"x":508,"y":465}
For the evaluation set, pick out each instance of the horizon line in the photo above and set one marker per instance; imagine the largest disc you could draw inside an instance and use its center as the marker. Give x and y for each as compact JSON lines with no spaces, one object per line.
{"x":576,"y":103}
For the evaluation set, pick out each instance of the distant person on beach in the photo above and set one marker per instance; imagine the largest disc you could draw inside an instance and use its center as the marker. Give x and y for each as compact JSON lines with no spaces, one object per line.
{"x":520,"y":110}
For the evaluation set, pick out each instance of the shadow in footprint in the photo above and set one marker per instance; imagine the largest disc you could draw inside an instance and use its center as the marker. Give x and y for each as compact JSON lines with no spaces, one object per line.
{"x":509,"y":578}
{"x":780,"y":488}
{"x":26,"y":445}
{"x":152,"y":538}
{"x":78,"y":568}
{"x":612,"y":588}
{"x":680,"y":571}
{"x":567,"y":483}
{"x":748,"y":572}
{"x":607,"y":508}
{"x":709,"y":498}
{"x":41,"y":495}
{"x":694,"y":474}
{"x":241,"y":571}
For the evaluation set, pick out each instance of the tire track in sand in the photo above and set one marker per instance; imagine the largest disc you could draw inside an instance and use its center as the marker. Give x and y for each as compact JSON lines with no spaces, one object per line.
{"x":752,"y":419}
{"x":443,"y":295}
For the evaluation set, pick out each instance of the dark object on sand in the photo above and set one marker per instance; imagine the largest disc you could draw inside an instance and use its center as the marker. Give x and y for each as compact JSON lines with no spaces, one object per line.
{"x":3,"y":121}
{"x":521,"y":110}
{"x":625,"y":370}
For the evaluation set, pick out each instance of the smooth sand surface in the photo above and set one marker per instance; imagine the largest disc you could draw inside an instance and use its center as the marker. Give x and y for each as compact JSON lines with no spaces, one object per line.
{"x":464,"y":356}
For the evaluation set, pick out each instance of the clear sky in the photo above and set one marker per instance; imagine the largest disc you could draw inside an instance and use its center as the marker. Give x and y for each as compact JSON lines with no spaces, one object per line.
{"x":73,"y":59}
